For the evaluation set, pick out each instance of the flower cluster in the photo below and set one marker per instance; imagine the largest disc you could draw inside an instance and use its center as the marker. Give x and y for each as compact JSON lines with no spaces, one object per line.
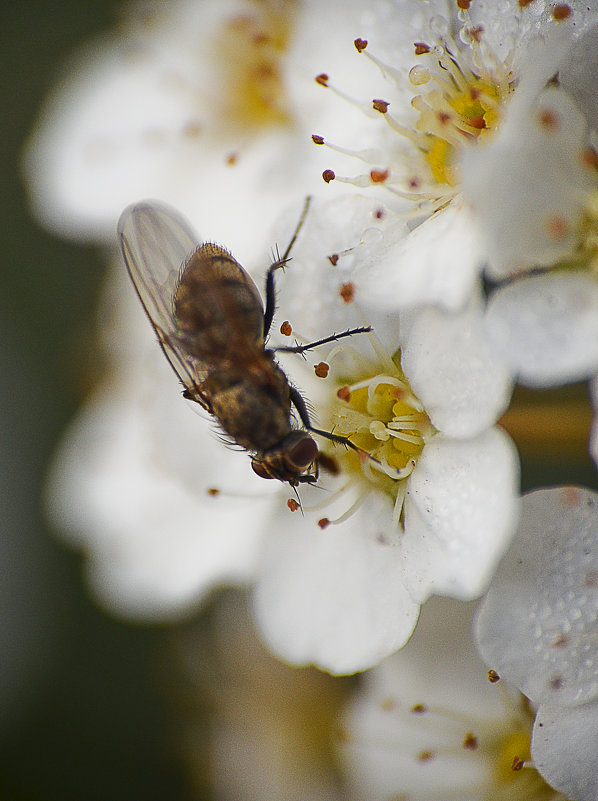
{"x":450,"y":153}
{"x":429,"y":724}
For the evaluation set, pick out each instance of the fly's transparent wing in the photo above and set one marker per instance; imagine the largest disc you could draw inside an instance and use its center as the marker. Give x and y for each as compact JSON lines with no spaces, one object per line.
{"x":156,"y":242}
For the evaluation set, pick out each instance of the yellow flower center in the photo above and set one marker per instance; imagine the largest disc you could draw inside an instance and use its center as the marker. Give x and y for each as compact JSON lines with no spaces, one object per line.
{"x":383,"y":418}
{"x":460,"y":107}
{"x":514,"y":771}
{"x":584,"y":255}
{"x":249,"y":49}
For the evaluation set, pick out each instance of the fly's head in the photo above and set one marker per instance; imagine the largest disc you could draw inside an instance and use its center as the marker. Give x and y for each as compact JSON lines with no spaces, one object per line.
{"x":289,"y":460}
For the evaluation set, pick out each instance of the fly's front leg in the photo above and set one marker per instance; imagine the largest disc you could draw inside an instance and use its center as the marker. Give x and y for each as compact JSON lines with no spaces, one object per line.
{"x":280,"y":262}
{"x":271,"y":295}
{"x":339,"y":439}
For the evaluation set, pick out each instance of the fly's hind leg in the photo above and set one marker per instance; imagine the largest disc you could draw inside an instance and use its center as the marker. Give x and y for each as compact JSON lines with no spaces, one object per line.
{"x":280,"y":262}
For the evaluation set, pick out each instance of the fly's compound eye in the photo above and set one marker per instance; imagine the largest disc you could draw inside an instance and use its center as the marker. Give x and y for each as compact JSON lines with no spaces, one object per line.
{"x":286,"y":462}
{"x":303,"y":453}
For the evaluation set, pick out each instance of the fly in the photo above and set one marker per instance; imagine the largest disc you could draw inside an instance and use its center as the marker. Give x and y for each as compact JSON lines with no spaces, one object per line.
{"x":212,"y":327}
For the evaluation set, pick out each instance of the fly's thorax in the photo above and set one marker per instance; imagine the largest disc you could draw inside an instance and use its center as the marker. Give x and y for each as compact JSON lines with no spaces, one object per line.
{"x":217,"y":305}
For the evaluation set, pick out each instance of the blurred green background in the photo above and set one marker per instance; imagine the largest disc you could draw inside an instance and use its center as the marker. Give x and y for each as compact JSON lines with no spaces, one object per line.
{"x":81,"y":709}
{"x":86,"y":708}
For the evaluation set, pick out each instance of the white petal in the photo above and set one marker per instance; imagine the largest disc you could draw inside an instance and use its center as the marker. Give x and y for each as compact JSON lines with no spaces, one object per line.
{"x":436,"y":263}
{"x":565,"y":749}
{"x":546,"y":327}
{"x":334,"y":597}
{"x":462,"y":384}
{"x":156,"y":541}
{"x":528,"y":186}
{"x":537,"y":625}
{"x":348,"y":227}
{"x":460,"y":514}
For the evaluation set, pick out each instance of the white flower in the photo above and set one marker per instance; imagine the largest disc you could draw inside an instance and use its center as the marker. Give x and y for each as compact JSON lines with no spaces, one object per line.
{"x":495,"y":163}
{"x":438,"y":79}
{"x":428,"y":724}
{"x":188,"y":102}
{"x":166,"y":512}
{"x":537,"y":629}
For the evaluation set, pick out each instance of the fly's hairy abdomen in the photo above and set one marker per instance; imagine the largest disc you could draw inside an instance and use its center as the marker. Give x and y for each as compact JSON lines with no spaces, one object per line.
{"x":252,"y":406}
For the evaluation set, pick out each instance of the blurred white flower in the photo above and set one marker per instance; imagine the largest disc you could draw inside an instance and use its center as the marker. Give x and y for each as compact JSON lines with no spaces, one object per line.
{"x":537,"y":628}
{"x":166,"y":512}
{"x":185,"y":101}
{"x":428,"y":724}
{"x":270,"y":729}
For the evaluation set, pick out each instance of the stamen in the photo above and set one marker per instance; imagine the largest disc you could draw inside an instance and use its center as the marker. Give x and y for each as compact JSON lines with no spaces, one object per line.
{"x":369,"y":156}
{"x":397,"y":509}
{"x":428,"y":202}
{"x":395,"y":472}
{"x":361,"y":181}
{"x":404,"y":421}
{"x":324,"y":80}
{"x":561,"y":12}
{"x":353,"y":508}
{"x":405,"y":437}
{"x":329,"y":500}
{"x":378,"y":430}
{"x":386,"y":70}
{"x":402,"y":130}
{"x":421,"y":48}
{"x":454,"y":70}
{"x":374,"y":383}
